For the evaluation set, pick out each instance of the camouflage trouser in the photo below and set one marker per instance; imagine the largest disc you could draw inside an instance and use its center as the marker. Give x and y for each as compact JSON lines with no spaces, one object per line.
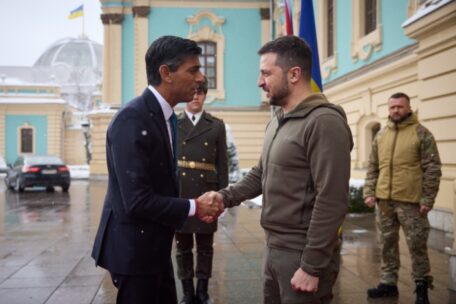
{"x":391,"y":215}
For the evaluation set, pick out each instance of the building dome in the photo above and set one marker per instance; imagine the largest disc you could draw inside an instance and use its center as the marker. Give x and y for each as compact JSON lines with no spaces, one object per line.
{"x":73,"y":52}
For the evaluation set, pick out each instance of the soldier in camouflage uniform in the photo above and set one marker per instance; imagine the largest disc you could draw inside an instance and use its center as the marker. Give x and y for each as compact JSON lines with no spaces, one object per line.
{"x":403,"y":179}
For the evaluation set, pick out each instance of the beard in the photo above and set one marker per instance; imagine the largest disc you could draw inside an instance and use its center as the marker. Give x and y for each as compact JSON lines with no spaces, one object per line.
{"x":278,"y":99}
{"x":398,"y":119}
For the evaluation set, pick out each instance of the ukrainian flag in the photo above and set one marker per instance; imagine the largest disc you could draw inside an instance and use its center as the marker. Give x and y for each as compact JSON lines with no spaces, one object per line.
{"x":308,"y":33}
{"x":77,"y":12}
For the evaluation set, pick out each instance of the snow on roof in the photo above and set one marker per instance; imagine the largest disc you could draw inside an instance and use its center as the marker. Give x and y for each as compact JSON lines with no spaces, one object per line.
{"x":31,"y":101}
{"x":102,"y":111}
{"x":425,"y":10}
{"x":11,"y":81}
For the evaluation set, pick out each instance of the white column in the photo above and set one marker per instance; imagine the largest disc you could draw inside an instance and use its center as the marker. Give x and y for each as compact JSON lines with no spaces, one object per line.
{"x":141,"y":41}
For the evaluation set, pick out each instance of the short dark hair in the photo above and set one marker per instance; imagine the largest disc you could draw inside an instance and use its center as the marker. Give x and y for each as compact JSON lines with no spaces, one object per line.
{"x":171,"y":51}
{"x":291,"y":51}
{"x":400,"y":95}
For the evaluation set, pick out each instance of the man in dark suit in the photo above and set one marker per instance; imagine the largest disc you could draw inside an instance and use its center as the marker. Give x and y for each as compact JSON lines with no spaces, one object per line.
{"x":203,"y":166}
{"x":141,"y":209}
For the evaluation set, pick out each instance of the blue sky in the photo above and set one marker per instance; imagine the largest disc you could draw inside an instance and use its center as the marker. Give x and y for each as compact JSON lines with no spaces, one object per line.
{"x":28,"y":27}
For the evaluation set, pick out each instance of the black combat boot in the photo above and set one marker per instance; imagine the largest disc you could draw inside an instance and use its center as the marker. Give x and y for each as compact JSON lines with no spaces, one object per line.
{"x":189,"y":292}
{"x":383,"y":290}
{"x":202,"y":296}
{"x":421,"y":292}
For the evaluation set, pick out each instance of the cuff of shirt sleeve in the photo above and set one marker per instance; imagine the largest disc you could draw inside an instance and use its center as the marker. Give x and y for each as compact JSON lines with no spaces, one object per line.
{"x":226,"y":199}
{"x":192,"y":210}
{"x":426,"y":202}
{"x":310,"y":271}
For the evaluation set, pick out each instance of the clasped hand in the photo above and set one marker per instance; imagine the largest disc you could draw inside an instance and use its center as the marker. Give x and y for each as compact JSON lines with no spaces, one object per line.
{"x":210,"y":206}
{"x":302,"y":281}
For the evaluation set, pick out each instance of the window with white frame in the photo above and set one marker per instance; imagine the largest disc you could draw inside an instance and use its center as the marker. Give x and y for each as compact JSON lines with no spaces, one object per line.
{"x":326,"y":35}
{"x":209,"y":35}
{"x":366,"y":28}
{"x":208,"y":62}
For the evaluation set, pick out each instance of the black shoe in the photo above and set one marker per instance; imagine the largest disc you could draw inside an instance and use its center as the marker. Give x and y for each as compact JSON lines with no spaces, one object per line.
{"x":421,"y":292}
{"x":383,"y":290}
{"x":189,"y":292}
{"x":186,"y":300}
{"x":202,"y":297}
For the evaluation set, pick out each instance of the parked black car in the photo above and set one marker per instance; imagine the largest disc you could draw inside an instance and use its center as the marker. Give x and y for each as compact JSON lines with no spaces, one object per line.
{"x":38,"y":170}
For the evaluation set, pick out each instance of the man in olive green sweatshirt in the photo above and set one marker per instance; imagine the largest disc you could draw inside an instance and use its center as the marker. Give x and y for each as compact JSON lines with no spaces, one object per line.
{"x":303,"y":174}
{"x":403,"y":178}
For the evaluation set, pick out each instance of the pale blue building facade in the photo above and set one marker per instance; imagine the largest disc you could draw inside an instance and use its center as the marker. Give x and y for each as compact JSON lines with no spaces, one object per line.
{"x":13,"y":123}
{"x":390,"y":16}
{"x":238,"y":29}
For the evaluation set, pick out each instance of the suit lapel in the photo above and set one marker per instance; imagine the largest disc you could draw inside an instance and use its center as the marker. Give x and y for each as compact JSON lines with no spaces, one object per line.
{"x":184,"y":125}
{"x":158,"y":119}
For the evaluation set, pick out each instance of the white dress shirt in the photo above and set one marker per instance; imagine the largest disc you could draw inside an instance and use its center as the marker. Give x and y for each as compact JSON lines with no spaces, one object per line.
{"x":197,"y":116}
{"x":167,"y":112}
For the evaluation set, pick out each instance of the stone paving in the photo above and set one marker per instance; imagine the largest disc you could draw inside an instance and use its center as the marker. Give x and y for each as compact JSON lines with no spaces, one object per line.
{"x":46,"y":239}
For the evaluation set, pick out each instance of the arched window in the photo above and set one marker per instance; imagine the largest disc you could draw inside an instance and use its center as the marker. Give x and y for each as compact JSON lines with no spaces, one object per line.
{"x":26,"y":139}
{"x":209,"y":62}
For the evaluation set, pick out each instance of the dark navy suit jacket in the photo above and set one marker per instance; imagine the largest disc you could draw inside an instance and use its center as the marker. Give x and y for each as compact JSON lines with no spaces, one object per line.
{"x":141,"y":210}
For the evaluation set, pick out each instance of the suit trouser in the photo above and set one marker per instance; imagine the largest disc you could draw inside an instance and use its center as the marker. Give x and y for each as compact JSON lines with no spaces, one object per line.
{"x":390,"y":216}
{"x":280,"y":266}
{"x":184,"y":255}
{"x":146,"y":289}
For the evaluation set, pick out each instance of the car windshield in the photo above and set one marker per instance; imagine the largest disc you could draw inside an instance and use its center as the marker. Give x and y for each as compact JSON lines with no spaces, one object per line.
{"x":43,"y":160}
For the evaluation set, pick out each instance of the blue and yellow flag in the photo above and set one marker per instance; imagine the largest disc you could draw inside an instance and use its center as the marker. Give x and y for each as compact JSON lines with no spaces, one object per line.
{"x":308,"y":33}
{"x":77,"y":12}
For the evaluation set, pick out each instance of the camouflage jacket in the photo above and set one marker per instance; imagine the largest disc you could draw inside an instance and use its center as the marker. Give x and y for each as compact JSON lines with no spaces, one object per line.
{"x":404,"y":164}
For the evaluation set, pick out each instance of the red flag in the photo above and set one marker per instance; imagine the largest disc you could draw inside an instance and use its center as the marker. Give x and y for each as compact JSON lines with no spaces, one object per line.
{"x":288,"y":18}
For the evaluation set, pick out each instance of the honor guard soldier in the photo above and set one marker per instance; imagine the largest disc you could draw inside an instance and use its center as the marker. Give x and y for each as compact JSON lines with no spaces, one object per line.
{"x":202,"y":166}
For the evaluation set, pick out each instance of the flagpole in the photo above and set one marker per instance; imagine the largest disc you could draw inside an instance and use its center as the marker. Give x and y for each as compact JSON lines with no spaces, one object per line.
{"x":271,"y":18}
{"x":83,"y":18}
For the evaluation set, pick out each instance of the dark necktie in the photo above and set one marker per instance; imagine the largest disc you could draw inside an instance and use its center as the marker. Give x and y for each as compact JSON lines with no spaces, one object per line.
{"x":193,"y":118}
{"x":173,"y":123}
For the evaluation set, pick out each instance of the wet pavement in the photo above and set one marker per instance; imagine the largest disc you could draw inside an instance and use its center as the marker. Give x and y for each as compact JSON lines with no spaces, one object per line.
{"x":46,"y":239}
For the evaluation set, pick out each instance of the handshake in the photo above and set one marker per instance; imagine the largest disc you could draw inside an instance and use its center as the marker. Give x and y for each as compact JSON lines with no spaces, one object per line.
{"x":209,"y":206}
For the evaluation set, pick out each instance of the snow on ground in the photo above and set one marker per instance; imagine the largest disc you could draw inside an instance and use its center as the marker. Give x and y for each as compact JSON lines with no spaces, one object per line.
{"x":358,"y":183}
{"x":79,"y":171}
{"x":76,"y":172}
